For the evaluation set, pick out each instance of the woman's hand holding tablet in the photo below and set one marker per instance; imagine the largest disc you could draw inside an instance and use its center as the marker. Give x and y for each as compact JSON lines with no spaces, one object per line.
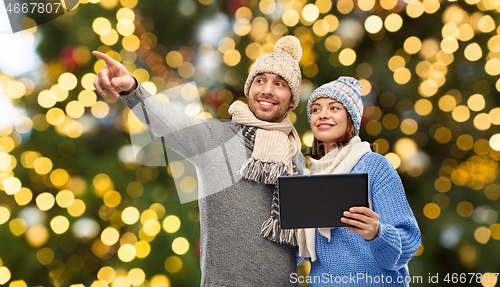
{"x":363,"y":220}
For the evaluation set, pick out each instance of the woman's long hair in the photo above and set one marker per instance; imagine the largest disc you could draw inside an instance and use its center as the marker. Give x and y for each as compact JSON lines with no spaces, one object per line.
{"x":318,"y":147}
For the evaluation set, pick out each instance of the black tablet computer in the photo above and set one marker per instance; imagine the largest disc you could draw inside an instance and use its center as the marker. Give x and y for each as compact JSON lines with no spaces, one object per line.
{"x":314,"y":201}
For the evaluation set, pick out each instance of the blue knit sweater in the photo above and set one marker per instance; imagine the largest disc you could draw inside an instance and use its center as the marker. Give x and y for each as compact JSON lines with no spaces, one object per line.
{"x":350,"y":260}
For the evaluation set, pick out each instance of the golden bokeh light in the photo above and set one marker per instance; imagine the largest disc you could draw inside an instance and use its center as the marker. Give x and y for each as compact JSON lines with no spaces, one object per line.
{"x":373,"y":127}
{"x":333,"y":43}
{"x":473,"y":52}
{"x":409,"y":126}
{"x":47,"y":99}
{"x":126,"y":253}
{"x":59,"y":177}
{"x":447,"y":103}
{"x":59,"y":224}
{"x":87,"y":98}
{"x":110,"y":236}
{"x":67,"y":81}
{"x":131,"y":43}
{"x":16,"y":89}
{"x":423,"y":107}
{"x":106,"y":274}
{"x":23,"y":196}
{"x":65,"y":198}
{"x":402,"y":76}
{"x":130,"y":215}
{"x":136,"y":276}
{"x":495,"y":116}
{"x":486,"y":24}
{"x":4,"y":214}
{"x":37,"y":235}
{"x":396,"y":62}
{"x":347,"y":57}
{"x":55,"y":116}
{"x":442,"y":184}
{"x":388,"y":4}
{"x":482,"y":234}
{"x":332,"y":20}
{"x":432,"y":210}
{"x":465,"y":142}
{"x":412,"y":45}
{"x":443,"y":135}
{"x":492,"y":67}
{"x":11,"y":185}
{"x":449,"y":45}
{"x":173,"y":264}
{"x":100,"y":109}
{"x":125,"y":27}
{"x":101,"y":24}
{"x":45,"y":255}
{"x":45,"y":201}
{"x":112,"y":198}
{"x":310,"y":12}
{"x":482,"y":121}
{"x":465,"y":209}
{"x":345,"y":6}
{"x":109,"y":37}
{"x":461,"y":113}
{"x":142,"y":249}
{"x":393,"y":22}
{"x":4,"y":275}
{"x":88,"y":81}
{"x":77,"y":208}
{"x":180,"y":245}
{"x":161,"y":280}
{"x":373,"y":24}
{"x":415,"y":9}
{"x":171,"y":224}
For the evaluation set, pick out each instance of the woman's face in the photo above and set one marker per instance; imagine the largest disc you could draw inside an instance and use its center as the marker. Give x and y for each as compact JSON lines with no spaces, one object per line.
{"x":328,"y":121}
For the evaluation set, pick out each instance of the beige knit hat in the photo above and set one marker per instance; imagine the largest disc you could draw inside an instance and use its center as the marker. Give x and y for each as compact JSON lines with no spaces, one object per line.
{"x":284,"y":62}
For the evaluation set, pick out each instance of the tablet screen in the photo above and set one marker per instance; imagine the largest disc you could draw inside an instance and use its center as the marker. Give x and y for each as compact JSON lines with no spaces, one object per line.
{"x":314,"y":201}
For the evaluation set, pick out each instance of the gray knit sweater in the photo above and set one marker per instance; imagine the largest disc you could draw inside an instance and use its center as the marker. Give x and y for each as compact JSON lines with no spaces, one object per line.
{"x":232,"y":209}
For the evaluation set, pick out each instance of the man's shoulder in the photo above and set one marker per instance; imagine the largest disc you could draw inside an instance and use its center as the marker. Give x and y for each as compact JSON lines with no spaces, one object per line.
{"x":223,"y":124}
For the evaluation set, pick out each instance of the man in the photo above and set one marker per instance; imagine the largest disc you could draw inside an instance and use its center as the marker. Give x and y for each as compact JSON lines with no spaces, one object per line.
{"x":237,"y":164}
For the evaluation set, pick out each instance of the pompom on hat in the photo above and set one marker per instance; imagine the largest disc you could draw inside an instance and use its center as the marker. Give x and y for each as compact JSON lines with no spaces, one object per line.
{"x":347,"y":91}
{"x":284,"y":62}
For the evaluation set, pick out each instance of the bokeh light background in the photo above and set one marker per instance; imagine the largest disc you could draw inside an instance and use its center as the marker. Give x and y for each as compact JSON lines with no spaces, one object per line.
{"x":77,"y":210}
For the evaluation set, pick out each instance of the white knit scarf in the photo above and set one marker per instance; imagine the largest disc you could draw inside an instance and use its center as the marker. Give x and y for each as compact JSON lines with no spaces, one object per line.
{"x":339,"y":160}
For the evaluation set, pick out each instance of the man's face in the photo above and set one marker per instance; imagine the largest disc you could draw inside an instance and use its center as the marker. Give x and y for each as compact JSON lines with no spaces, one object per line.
{"x":269,"y":97}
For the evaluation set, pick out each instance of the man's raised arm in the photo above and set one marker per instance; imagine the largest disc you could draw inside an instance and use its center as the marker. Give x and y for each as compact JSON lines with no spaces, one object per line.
{"x":175,"y":129}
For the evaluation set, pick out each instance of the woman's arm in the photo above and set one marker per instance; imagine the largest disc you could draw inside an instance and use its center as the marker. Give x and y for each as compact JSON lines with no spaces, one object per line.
{"x":398,"y":236}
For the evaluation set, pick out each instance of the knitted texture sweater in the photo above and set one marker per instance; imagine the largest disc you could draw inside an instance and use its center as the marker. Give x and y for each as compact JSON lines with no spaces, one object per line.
{"x":350,"y":260}
{"x":232,"y":209}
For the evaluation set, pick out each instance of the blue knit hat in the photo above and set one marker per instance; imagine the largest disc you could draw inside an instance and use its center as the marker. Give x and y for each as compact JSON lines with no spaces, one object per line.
{"x":347,"y":91}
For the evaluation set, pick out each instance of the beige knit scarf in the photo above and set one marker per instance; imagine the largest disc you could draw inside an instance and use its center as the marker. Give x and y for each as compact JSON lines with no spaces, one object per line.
{"x":339,"y":160}
{"x":275,"y":142}
{"x":275,"y":146}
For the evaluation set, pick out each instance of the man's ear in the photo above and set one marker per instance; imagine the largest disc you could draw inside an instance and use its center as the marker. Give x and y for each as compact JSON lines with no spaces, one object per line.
{"x":291,"y":103}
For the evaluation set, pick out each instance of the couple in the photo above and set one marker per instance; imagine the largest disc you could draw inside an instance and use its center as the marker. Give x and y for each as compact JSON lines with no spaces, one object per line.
{"x":241,"y":242}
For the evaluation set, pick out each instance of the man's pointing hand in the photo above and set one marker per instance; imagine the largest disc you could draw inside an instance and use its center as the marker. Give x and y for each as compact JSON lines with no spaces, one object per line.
{"x":113,"y":77}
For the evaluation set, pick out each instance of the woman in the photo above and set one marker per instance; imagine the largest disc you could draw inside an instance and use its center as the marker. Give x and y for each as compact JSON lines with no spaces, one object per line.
{"x":384,"y":237}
